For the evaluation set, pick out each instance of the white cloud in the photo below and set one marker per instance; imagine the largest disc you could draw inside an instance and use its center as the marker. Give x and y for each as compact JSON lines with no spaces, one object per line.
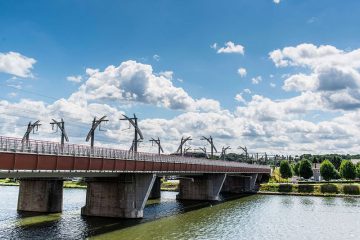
{"x":231,"y":47}
{"x":156,"y":57}
{"x":272,"y":85}
{"x":256,"y":80}
{"x":75,"y":79}
{"x":240,"y":98}
{"x":246,"y":90}
{"x":242,"y":72}
{"x":330,"y":72}
{"x":213,"y":46}
{"x":276,"y":1}
{"x":16,"y":64}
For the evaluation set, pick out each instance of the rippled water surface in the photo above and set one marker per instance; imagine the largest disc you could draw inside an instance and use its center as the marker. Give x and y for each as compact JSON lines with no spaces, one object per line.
{"x":252,"y":217}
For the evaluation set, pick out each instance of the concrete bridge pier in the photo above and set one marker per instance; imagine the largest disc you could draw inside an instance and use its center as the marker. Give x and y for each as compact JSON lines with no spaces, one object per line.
{"x":40,"y":195}
{"x":156,"y":189}
{"x":204,"y":187}
{"x":121,"y":197}
{"x":240,"y":183}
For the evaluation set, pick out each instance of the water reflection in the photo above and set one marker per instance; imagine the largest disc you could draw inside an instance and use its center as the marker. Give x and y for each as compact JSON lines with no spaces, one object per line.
{"x":251,"y":217}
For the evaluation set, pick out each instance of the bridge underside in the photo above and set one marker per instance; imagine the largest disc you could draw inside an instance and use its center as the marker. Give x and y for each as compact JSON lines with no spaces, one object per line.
{"x":125,"y":195}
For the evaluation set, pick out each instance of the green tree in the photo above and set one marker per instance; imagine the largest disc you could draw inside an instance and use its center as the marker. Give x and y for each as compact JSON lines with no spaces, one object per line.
{"x":358,"y":169}
{"x":336,"y":161}
{"x":285,"y":169}
{"x":305,"y":169}
{"x":327,"y":170}
{"x":347,"y":170}
{"x":296,"y":168}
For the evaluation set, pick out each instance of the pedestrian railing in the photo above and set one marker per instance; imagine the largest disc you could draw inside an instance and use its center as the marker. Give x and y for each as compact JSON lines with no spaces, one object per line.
{"x":8,"y":144}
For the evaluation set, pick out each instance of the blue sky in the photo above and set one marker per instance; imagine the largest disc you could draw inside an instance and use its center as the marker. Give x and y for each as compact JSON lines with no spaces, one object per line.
{"x":66,"y":38}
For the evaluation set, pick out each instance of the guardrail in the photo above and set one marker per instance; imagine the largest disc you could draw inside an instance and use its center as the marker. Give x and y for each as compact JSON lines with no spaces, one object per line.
{"x":9,"y":144}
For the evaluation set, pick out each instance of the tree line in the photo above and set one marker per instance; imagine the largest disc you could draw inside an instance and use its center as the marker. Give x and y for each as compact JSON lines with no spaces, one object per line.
{"x":329,"y":170}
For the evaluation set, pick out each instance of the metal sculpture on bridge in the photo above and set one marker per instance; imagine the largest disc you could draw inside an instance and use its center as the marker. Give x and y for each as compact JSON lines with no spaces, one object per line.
{"x":95,"y":124}
{"x":158,"y":143}
{"x":137,"y":132}
{"x":181,"y":146}
{"x":60,"y":125}
{"x":32,"y":127}
{"x":212,"y":146}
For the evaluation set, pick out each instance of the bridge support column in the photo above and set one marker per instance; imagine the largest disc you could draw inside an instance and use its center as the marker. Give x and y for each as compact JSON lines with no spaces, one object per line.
{"x":240,"y":184}
{"x":40,"y":195}
{"x":156,"y":189}
{"x":122,"y":197}
{"x":205,"y":187}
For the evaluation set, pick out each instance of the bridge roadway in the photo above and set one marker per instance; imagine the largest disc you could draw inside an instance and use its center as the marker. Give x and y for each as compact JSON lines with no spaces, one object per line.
{"x":118,"y":182}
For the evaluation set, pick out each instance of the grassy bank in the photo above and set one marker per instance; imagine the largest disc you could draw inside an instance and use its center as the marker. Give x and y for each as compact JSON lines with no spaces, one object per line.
{"x":165,"y":186}
{"x":319,"y":189}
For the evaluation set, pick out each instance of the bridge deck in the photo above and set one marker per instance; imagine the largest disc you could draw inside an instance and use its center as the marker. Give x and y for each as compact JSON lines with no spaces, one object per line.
{"x":53,"y":158}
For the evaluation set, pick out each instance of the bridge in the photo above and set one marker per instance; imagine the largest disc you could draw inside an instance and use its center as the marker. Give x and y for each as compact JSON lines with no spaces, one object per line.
{"x":118,"y":182}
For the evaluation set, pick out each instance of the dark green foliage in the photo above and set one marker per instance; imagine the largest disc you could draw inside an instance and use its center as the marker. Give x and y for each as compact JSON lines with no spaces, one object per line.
{"x":358,"y":169}
{"x":305,"y":169}
{"x":336,"y":175}
{"x":285,"y":188}
{"x":336,"y":161}
{"x":285,"y":169}
{"x":307,"y":188}
{"x":347,"y":170}
{"x":329,"y":188}
{"x":296,"y":168}
{"x":351,"y":189}
{"x":327,"y":170}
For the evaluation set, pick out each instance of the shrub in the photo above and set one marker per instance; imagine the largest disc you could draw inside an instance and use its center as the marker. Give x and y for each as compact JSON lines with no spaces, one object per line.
{"x":305,"y":169}
{"x":285,"y":187}
{"x":329,"y":188}
{"x":307,"y":188}
{"x":358,"y":169}
{"x":285,"y":169}
{"x":327,"y":170}
{"x":347,"y":170}
{"x":351,"y":189}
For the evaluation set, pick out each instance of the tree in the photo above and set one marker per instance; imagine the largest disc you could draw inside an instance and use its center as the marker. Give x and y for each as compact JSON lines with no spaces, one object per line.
{"x":296,"y":168}
{"x":327,"y":170}
{"x":285,"y":169}
{"x":358,"y":169}
{"x":305,"y":169}
{"x":336,"y":161}
{"x":347,"y":170}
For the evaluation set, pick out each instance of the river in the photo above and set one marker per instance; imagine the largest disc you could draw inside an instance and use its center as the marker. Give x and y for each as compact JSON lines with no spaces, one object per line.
{"x":251,"y":217}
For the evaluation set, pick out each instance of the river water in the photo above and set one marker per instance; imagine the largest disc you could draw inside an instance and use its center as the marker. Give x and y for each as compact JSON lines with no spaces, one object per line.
{"x":250,"y":217}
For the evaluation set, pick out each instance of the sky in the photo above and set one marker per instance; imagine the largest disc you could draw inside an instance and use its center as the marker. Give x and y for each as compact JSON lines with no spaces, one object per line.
{"x":276,"y":76}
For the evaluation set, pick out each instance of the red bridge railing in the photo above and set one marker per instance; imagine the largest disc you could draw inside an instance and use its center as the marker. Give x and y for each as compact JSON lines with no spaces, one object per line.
{"x":8,"y":144}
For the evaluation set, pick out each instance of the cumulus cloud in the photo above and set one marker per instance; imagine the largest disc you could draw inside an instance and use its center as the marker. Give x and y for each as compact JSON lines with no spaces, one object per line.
{"x":136,"y":83}
{"x":75,"y":79}
{"x":242,"y":72}
{"x":332,"y":73}
{"x":231,"y":47}
{"x":256,"y":80}
{"x":16,"y":64}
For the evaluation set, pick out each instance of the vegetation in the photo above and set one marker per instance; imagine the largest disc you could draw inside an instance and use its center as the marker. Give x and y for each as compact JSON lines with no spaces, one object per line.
{"x":327,"y":170}
{"x":351,"y":189}
{"x":285,"y":169}
{"x":347,"y":170}
{"x":358,"y":169}
{"x":319,"y":189}
{"x":296,"y":168}
{"x":329,"y":188}
{"x":305,"y":169}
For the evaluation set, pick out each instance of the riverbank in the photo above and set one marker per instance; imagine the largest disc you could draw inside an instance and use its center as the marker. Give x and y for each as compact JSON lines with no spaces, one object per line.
{"x":319,"y":189}
{"x":165,"y":186}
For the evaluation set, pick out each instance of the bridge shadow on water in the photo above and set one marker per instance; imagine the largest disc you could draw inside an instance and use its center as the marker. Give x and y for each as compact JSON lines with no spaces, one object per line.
{"x":70,"y":225}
